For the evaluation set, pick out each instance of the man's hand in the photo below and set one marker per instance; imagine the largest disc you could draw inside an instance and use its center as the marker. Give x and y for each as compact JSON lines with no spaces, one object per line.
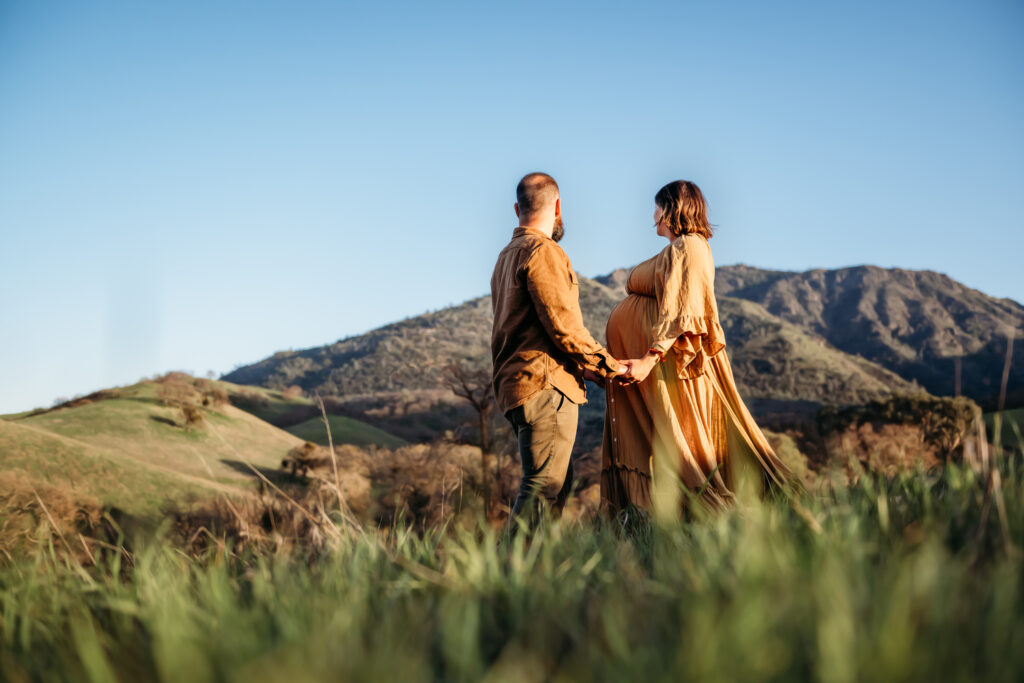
{"x":639,"y":368}
{"x":625,"y":374}
{"x":592,"y":376}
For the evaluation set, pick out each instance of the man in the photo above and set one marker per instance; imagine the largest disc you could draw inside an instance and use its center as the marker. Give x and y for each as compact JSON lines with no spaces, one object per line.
{"x":540,"y":347}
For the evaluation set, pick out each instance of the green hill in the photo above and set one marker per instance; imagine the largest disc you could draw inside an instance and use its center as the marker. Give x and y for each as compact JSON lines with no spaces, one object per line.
{"x":136,"y":424}
{"x":301,"y":416}
{"x":90,"y":472}
{"x":134,"y":448}
{"x":130,"y":449}
{"x":344,"y":430}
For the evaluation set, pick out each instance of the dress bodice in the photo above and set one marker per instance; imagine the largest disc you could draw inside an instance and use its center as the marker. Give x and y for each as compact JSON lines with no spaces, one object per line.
{"x":641,"y":279}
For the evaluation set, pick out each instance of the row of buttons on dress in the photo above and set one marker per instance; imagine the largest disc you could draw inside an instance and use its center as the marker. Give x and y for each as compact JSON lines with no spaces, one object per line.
{"x":615,"y":438}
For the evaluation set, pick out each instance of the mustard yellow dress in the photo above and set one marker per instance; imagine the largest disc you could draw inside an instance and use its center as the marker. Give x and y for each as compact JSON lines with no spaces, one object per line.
{"x":685,"y":425}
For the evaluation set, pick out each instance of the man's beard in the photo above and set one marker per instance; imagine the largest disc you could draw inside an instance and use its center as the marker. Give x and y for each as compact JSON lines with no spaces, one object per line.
{"x":558,"y":232}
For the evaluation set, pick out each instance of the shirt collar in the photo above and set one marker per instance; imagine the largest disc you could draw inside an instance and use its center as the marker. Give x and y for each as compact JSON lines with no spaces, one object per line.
{"x":520,"y":231}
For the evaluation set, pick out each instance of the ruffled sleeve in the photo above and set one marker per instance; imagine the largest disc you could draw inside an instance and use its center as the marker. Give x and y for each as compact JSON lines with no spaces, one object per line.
{"x":687,"y":321}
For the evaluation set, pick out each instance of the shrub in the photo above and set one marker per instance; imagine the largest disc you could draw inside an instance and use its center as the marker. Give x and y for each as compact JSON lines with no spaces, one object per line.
{"x":192,"y":414}
{"x":291,"y":393}
{"x":174,"y":392}
{"x":212,"y":394}
{"x":249,"y":400}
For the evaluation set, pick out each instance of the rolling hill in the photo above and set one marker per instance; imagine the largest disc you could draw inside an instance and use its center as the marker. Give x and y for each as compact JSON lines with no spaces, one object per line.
{"x":136,"y":452}
{"x":300,"y":416}
{"x":344,"y":430}
{"x":42,"y":458}
{"x":132,"y":448}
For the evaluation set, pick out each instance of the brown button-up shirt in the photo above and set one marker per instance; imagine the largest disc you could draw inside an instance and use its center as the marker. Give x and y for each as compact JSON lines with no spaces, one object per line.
{"x":538,"y":339}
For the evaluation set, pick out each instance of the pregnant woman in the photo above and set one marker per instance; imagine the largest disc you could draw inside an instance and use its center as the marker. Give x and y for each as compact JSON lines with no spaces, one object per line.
{"x":682,"y":423}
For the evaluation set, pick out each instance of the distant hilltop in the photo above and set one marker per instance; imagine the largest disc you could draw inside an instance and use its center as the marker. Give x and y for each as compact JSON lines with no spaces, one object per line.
{"x":798,"y":340}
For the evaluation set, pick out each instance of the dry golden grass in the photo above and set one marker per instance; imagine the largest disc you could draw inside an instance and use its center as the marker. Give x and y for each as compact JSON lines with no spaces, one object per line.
{"x":34,"y":513}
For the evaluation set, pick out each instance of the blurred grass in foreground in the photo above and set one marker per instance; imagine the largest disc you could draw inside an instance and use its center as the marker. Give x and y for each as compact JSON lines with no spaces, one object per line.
{"x":914,"y":578}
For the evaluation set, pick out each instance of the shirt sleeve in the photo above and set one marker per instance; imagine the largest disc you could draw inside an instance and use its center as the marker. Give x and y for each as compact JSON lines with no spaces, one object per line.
{"x":552,"y":287}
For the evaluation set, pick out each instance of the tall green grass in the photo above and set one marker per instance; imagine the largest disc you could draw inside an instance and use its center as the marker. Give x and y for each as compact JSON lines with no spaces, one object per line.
{"x":915,"y":578}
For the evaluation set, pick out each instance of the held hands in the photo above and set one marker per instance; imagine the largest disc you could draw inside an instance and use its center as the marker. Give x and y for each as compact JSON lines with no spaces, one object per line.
{"x":637,"y":369}
{"x":625,"y":376}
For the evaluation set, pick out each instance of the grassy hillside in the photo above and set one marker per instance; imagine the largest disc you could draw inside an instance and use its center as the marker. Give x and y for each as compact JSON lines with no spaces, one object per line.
{"x":278,"y":408}
{"x":137,"y":425}
{"x":301,"y":416}
{"x":40,"y":457}
{"x":129,"y":449}
{"x":344,"y":430}
{"x":132,"y":447}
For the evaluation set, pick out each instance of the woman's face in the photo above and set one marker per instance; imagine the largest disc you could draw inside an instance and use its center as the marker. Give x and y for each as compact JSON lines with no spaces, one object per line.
{"x":660,"y":225}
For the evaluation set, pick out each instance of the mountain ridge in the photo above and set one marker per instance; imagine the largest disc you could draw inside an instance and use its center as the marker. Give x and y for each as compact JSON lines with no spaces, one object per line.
{"x":409,"y":354}
{"x":913,"y":322}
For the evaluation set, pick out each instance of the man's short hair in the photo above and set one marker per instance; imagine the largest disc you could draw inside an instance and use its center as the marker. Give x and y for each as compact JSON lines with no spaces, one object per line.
{"x":534,"y":192}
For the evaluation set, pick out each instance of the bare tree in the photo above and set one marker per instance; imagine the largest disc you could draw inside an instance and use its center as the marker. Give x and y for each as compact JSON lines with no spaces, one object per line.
{"x":474,"y":385}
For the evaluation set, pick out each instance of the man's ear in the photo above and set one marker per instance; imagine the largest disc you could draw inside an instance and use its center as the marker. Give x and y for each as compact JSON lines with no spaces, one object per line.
{"x":558,"y":206}
{"x":516,"y":207}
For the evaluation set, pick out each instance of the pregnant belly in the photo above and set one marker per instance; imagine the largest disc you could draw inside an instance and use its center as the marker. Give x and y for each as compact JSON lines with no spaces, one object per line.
{"x":629,"y":326}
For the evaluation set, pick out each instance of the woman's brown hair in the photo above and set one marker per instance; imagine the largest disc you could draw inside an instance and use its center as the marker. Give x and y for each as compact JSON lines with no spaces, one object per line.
{"x":684,"y":207}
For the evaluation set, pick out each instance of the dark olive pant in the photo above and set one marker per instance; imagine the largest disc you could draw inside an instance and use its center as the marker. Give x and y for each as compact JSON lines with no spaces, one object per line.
{"x":545,"y":427}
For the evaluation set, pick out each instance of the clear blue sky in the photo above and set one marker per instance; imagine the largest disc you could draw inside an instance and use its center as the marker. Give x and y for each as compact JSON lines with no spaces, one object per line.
{"x":195,"y":185}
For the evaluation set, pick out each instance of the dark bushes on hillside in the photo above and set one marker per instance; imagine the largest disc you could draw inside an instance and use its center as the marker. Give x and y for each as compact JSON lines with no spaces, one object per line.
{"x":904,"y":432}
{"x":96,"y":396}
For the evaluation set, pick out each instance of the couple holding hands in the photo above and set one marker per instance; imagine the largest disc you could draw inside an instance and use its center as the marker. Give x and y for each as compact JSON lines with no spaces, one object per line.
{"x":676,"y":430}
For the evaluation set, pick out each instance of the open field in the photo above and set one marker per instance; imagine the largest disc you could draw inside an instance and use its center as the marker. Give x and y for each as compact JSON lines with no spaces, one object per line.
{"x":916,"y":578}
